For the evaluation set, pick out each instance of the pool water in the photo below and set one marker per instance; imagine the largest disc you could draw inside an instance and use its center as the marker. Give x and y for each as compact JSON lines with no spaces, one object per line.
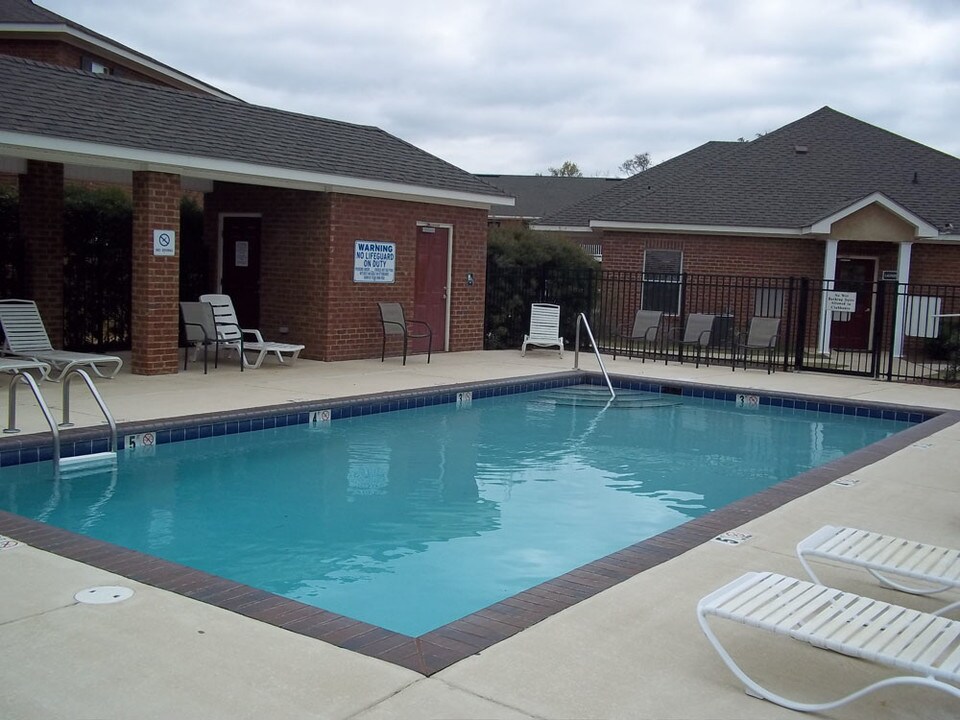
{"x":412,"y":519}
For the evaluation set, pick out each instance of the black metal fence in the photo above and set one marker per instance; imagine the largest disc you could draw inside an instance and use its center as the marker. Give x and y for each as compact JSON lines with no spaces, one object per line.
{"x":98,"y":228}
{"x":887,"y":330}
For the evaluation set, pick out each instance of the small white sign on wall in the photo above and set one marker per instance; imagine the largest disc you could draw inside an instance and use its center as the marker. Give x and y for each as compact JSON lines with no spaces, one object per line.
{"x":165,"y":242}
{"x":374,"y":261}
{"x":241,"y":254}
{"x":843,"y":302}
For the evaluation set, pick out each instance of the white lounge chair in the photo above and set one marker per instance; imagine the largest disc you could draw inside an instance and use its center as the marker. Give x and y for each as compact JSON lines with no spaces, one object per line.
{"x":25,"y":336}
{"x":15,"y":365}
{"x":936,"y":568}
{"x":544,"y":328}
{"x":230,"y":334}
{"x":925,"y":647}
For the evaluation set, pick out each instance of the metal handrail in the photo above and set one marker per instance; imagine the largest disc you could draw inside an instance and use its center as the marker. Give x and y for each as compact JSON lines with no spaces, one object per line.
{"x":576,"y":351}
{"x":96,"y":396}
{"x":23,"y":377}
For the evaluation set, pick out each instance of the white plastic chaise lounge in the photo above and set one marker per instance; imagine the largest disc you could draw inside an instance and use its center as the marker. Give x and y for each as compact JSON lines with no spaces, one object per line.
{"x":26,"y":337}
{"x":925,"y":648}
{"x":14,"y":365}
{"x":892,"y":560}
{"x":544,"y":327}
{"x":230,"y":333}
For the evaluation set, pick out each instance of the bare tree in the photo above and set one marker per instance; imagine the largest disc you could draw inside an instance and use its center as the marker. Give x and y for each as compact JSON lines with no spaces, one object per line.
{"x":637,"y":164}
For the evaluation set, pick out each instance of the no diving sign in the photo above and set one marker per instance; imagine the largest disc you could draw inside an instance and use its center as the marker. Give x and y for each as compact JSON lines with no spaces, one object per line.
{"x":165,"y":242}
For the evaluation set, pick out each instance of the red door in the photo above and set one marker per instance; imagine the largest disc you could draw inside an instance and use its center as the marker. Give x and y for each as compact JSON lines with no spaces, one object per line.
{"x":240,"y":267}
{"x":851,"y":331}
{"x":430,"y":285}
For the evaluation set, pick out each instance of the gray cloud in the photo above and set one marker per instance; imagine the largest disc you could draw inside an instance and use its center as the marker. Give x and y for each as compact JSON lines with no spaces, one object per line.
{"x":515,"y":87}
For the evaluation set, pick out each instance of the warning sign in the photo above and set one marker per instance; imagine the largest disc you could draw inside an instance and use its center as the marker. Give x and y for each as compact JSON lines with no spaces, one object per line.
{"x":374,"y":262}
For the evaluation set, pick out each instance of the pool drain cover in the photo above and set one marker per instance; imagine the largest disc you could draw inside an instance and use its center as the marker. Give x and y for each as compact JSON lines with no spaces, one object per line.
{"x":104,"y":595}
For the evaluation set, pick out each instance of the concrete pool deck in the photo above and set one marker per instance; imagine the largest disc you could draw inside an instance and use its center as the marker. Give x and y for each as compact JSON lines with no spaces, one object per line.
{"x":633,"y":651}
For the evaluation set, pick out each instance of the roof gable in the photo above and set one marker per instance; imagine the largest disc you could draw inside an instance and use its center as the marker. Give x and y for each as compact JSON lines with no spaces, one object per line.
{"x":24,"y":19}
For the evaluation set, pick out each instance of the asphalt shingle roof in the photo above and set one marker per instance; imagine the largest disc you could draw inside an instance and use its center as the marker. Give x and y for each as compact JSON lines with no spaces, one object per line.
{"x":539,"y":195}
{"x":24,"y":11}
{"x":59,"y":103}
{"x":788,"y":178}
{"x":637,"y":186}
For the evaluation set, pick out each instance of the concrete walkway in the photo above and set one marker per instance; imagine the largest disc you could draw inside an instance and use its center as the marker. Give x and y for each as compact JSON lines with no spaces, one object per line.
{"x":634,"y":651}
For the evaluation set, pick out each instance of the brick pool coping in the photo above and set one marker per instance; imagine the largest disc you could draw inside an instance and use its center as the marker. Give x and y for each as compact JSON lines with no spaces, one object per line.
{"x":440,"y":648}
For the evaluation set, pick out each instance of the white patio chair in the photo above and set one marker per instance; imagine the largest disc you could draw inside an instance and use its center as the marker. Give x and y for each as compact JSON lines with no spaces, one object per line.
{"x":14,"y":365}
{"x":230,"y":334}
{"x":544,"y":328}
{"x":26,"y":337}
{"x":925,"y":648}
{"x":892,"y":560}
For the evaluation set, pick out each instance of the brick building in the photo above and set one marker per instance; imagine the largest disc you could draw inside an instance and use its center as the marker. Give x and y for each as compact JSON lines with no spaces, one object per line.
{"x":827,"y":196}
{"x":287,"y":198}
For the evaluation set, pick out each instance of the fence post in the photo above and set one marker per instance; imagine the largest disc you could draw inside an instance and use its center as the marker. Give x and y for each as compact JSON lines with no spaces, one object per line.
{"x":892,"y":338}
{"x":800,"y":339}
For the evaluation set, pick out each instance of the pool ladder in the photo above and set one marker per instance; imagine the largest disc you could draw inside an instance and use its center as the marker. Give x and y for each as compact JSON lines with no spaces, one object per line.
{"x":21,"y":377}
{"x":582,"y":318}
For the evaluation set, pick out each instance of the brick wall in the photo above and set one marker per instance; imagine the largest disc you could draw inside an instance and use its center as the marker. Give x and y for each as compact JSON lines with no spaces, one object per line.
{"x":935,"y":264}
{"x":357,"y":331}
{"x":155,"y":279}
{"x":41,"y":227}
{"x":307,"y":254}
{"x":775,"y":257}
{"x":718,"y":255}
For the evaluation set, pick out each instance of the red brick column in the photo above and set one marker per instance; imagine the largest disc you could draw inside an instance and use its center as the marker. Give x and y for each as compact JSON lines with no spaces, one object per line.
{"x":156,"y":278}
{"x":41,"y":226}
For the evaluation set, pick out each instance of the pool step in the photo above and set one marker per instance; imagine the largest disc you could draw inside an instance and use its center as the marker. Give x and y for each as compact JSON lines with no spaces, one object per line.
{"x":599,"y":396}
{"x":80,"y":465}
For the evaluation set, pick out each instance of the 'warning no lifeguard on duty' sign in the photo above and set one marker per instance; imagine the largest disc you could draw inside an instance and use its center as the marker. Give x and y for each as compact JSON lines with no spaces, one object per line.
{"x":374,"y":262}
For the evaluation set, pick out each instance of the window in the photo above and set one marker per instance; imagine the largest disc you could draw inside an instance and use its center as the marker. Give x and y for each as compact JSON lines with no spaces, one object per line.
{"x":96,"y":66}
{"x":661,"y":280}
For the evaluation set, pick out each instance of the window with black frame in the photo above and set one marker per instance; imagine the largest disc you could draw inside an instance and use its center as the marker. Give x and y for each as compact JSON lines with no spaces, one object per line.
{"x":662,"y":281}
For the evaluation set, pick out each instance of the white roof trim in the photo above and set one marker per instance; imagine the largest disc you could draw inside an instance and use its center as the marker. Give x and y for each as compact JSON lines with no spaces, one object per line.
{"x":924,"y":229}
{"x":561,"y":228}
{"x":695,"y":229}
{"x":79,"y":152}
{"x":117,"y":51}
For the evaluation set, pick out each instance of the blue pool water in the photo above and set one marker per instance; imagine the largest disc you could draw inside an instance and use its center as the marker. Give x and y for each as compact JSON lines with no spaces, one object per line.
{"x":409,"y":520}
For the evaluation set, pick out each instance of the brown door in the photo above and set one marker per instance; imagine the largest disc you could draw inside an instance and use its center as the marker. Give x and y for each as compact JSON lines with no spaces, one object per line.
{"x":430,"y":286}
{"x":851,"y":331}
{"x":240,"y":267}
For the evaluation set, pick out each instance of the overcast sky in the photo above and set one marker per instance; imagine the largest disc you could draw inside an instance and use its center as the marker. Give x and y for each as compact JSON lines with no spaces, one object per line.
{"x":518,"y":86}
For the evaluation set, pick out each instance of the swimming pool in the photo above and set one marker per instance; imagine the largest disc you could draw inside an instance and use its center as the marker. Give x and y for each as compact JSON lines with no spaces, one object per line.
{"x":392,"y":522}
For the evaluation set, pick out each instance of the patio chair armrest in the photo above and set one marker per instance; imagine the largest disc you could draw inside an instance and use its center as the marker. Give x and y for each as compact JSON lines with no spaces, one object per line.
{"x":420,"y":322}
{"x":256,"y":334}
{"x":203,"y":330}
